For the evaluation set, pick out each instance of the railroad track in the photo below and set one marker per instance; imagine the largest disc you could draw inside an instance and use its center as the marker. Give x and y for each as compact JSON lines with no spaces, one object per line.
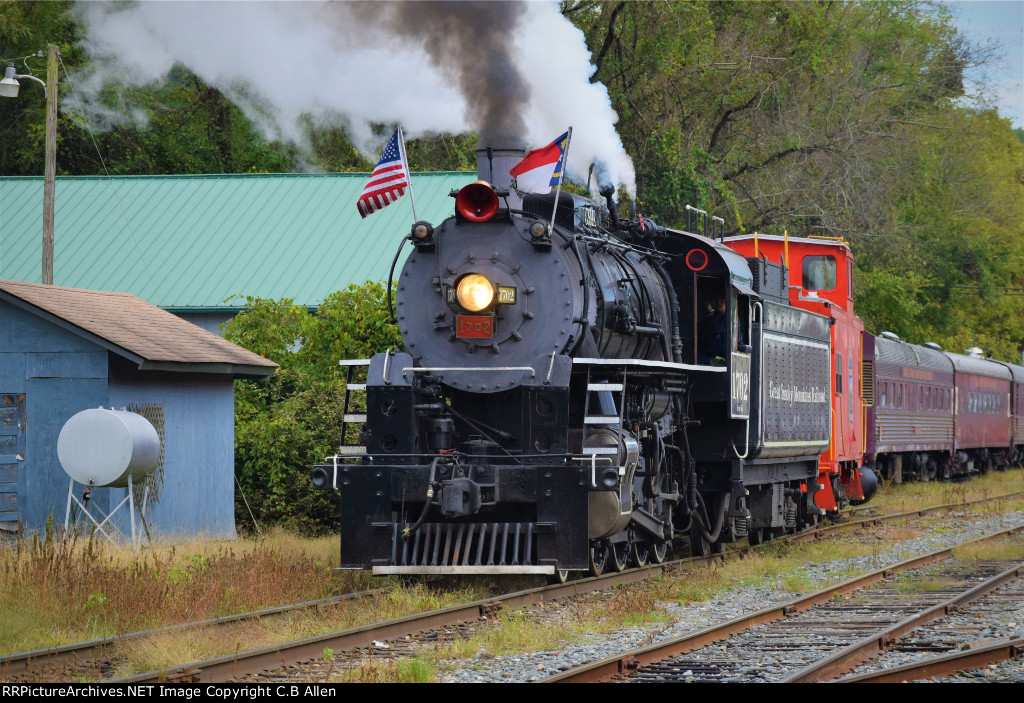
{"x":974,"y":636}
{"x":963,"y":663}
{"x":80,"y":652}
{"x":253,"y":661}
{"x":815,"y":637}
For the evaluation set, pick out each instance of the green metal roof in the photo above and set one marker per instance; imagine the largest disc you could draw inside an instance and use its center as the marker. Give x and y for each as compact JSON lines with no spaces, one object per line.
{"x":196,"y":241}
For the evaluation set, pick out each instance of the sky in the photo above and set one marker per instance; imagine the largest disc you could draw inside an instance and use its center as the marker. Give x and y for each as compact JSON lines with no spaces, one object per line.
{"x":1000,"y":21}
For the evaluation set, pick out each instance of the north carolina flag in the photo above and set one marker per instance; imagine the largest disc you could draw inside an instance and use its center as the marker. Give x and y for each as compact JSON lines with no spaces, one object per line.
{"x":541,"y":170}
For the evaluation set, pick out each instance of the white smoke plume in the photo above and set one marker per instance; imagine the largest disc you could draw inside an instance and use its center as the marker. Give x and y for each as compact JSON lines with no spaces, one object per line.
{"x":366,"y":62}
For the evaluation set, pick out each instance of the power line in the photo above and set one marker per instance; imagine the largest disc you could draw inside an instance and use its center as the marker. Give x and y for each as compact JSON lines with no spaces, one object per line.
{"x":113,"y":188}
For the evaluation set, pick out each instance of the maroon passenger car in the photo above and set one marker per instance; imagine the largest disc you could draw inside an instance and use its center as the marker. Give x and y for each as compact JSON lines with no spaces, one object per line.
{"x":932,"y":414}
{"x":983,"y":422}
{"x":909,"y":402}
{"x":1017,"y":413}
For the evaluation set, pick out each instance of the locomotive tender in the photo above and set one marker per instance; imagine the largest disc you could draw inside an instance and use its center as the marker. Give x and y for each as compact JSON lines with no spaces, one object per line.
{"x":576,"y":391}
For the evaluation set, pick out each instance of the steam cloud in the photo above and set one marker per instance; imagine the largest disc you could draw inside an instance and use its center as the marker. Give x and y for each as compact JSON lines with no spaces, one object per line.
{"x":517,"y":73}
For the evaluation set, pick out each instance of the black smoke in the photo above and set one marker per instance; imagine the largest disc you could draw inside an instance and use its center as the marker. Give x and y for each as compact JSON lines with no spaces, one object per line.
{"x":473,"y":43}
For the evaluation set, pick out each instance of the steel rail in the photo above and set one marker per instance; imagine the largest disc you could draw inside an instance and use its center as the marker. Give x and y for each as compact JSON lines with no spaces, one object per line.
{"x":14,"y":664}
{"x":626,"y":663}
{"x":253,"y":661}
{"x":945,"y":665}
{"x":843,"y":660}
{"x":21,"y":662}
{"x":820,"y":532}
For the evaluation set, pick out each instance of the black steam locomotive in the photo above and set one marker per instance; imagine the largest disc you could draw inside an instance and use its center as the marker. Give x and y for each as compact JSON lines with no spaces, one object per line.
{"x":575,"y":392}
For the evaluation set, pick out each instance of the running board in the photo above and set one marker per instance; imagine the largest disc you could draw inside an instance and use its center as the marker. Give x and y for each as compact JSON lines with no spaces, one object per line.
{"x":469,"y":570}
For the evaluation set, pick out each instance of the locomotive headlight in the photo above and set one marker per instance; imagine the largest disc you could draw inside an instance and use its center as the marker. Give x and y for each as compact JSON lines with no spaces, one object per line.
{"x":538,"y":230}
{"x":475,"y":292}
{"x":422,"y":231}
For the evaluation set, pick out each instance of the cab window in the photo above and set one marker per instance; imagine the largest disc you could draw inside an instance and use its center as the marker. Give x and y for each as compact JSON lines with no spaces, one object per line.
{"x":819,"y":272}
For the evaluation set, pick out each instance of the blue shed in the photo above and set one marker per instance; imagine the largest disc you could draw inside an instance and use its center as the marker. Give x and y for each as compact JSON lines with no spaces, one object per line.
{"x":65,"y":350}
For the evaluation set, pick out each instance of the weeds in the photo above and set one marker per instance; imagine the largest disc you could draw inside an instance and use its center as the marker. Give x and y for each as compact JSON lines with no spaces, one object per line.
{"x":921,"y":494}
{"x":1004,"y":549}
{"x":797,"y":582}
{"x":924,"y":584}
{"x":56,"y":590}
{"x":414,"y":670}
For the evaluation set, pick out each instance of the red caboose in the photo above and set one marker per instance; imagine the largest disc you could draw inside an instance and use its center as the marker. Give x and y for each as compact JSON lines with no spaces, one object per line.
{"x":821,"y":281}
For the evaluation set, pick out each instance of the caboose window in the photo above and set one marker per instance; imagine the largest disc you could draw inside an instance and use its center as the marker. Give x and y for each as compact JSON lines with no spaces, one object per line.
{"x":819,"y":272}
{"x":839,"y":374}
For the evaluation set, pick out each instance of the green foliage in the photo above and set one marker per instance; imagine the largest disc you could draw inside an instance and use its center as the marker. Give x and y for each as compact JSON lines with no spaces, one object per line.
{"x":442,"y":152}
{"x":894,"y":301}
{"x":839,"y":119}
{"x":415,"y":670}
{"x":283,"y":424}
{"x":179,"y":125}
{"x":949,"y":269}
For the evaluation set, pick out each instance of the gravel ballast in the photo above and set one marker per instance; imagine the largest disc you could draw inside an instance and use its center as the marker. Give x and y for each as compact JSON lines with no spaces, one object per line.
{"x":738,"y":601}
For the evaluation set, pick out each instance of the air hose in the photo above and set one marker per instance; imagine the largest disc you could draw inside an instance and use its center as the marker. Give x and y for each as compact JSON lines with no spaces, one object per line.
{"x":409,"y":531}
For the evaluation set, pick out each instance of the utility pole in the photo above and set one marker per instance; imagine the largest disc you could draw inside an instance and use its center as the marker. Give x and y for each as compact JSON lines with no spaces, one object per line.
{"x":50,"y":177}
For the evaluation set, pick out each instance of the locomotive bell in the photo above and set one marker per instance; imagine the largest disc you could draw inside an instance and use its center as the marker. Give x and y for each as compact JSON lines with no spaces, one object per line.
{"x":477,"y":202}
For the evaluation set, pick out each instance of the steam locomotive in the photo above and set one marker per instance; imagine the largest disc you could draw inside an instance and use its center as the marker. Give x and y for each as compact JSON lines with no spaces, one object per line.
{"x":576,"y":391}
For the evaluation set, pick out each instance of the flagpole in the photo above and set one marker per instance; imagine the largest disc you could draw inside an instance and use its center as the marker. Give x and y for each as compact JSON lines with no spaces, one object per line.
{"x":558,"y":188}
{"x":405,"y":163}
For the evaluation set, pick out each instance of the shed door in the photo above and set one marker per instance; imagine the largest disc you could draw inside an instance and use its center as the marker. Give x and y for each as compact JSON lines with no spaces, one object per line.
{"x":12,"y":448}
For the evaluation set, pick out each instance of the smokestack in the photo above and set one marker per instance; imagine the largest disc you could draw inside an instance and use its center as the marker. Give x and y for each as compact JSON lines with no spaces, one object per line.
{"x":501,"y":161}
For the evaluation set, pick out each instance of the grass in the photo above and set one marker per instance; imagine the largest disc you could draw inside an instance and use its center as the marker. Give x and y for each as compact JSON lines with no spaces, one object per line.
{"x":1004,"y":549}
{"x":916,"y":495}
{"x":153,"y":653}
{"x":924,"y":584}
{"x":414,"y":670}
{"x":903,"y":533}
{"x":55,"y":591}
{"x":780,"y":564}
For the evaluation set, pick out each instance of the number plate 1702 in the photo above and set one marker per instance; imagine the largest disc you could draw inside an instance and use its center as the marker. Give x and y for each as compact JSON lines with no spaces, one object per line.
{"x":474,"y":326}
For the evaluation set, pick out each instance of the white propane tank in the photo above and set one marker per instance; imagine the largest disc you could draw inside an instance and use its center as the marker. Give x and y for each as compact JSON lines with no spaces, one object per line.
{"x":101,"y":447}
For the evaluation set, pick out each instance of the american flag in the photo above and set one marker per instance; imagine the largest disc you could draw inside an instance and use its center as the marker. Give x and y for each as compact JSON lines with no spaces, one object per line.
{"x":387,"y":182}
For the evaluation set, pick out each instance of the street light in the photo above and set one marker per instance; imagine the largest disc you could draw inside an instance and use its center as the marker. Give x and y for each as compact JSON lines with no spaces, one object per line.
{"x":9,"y":87}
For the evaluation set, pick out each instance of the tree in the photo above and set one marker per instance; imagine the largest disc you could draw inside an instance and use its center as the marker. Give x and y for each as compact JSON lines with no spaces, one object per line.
{"x":288,"y":422}
{"x":771,"y":114}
